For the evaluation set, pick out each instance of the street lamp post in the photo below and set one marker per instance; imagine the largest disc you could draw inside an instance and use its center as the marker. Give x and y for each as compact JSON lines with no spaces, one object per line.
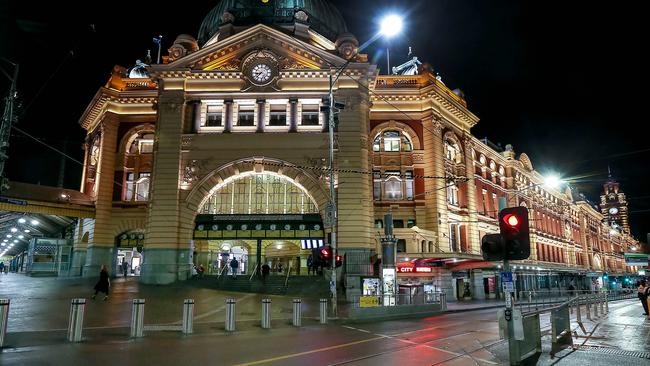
{"x":390,"y":26}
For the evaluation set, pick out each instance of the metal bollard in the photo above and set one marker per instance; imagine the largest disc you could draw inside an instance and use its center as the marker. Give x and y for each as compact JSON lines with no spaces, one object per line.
{"x":595,"y":300}
{"x":188,"y":316}
{"x":443,"y":301}
{"x":530,"y":297}
{"x":578,"y":313}
{"x":297,"y":312}
{"x":137,"y":318}
{"x":4,"y":317}
{"x":607,"y":303}
{"x":323,"y":311}
{"x":602,"y":305}
{"x":230,"y":315}
{"x":588,"y":307}
{"x":266,"y":313}
{"x":76,"y":321}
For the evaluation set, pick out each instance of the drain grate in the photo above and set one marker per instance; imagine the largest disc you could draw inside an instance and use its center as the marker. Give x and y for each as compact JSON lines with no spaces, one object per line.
{"x":616,"y":351}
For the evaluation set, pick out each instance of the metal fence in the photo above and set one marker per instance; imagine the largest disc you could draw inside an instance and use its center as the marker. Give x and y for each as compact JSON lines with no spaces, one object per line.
{"x":400,"y":299}
{"x":532,"y":301}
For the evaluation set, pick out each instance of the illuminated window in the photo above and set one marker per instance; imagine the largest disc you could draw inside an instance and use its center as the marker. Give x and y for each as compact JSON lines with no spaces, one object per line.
{"x":376,"y":185}
{"x":310,"y":114}
{"x":393,"y":186}
{"x":145,"y":144}
{"x":246,"y":116}
{"x":278,"y":115}
{"x":214,"y":117}
{"x":452,"y":194}
{"x":142,"y":187}
{"x":392,"y":141}
{"x":408,"y":185}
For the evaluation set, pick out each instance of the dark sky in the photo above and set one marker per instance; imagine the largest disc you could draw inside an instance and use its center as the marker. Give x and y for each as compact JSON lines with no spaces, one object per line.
{"x":563,"y":81}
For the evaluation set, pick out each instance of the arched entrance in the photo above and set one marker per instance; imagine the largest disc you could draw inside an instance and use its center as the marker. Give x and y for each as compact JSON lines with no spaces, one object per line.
{"x":271,"y":216}
{"x":128,"y":249}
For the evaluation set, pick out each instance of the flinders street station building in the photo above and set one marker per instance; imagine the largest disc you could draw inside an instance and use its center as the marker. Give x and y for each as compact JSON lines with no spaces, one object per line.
{"x":221,"y":151}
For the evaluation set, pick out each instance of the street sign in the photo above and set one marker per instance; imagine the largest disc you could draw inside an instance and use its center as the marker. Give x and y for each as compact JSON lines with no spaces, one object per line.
{"x":368,"y":301}
{"x":506,"y":277}
{"x":508,"y":287}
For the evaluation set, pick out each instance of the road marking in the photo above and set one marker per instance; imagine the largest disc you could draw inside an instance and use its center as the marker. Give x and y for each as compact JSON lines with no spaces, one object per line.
{"x":219,"y":309}
{"x":431,"y":328}
{"x":310,"y":352}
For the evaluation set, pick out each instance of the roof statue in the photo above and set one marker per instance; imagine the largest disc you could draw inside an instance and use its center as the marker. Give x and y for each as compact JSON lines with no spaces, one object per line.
{"x":139,"y":71}
{"x":410,"y":67}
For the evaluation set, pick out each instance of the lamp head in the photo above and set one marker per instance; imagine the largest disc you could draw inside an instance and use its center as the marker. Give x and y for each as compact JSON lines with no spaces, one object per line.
{"x":391,"y":25}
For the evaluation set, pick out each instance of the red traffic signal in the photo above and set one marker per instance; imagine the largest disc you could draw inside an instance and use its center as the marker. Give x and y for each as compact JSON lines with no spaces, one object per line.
{"x":339,"y":260}
{"x":513,"y":225}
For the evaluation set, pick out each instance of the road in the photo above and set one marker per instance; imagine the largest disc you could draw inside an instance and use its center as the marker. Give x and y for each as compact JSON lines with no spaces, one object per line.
{"x":39,"y":313}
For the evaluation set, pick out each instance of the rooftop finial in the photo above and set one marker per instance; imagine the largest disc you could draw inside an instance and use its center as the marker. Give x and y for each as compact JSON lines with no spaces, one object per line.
{"x":609,"y":171}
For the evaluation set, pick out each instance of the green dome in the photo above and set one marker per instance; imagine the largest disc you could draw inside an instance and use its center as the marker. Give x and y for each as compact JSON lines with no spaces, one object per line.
{"x":324,"y":18}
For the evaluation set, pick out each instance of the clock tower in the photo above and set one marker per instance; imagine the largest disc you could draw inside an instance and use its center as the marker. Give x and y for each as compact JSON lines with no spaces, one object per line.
{"x":613,"y":204}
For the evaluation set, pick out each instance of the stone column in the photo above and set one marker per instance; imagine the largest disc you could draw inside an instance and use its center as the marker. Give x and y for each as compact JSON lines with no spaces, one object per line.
{"x":293,"y":117}
{"x":228,"y":115}
{"x":196,"y":115}
{"x":261,"y":115}
{"x":472,"y":226}
{"x":80,"y":245}
{"x":435,"y":197}
{"x":100,"y":250}
{"x":478,"y":290}
{"x":163,"y":250}
{"x":354,"y":191}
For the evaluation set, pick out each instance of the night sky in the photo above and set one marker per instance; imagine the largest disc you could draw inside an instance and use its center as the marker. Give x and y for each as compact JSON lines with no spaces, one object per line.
{"x":563,"y":82}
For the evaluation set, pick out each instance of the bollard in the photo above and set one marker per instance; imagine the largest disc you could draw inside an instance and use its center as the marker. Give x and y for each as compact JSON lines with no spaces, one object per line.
{"x":76,"y":321}
{"x":266,"y":313}
{"x":588,"y":307}
{"x":230,"y":315}
{"x":607,"y":303}
{"x":595,"y":301}
{"x":443,"y":301}
{"x":602,"y":305}
{"x":137,"y":318}
{"x":323,"y":311}
{"x":188,"y":316}
{"x":297,"y":312}
{"x":4,"y":317}
{"x":578,"y":313}
{"x":530,"y":297}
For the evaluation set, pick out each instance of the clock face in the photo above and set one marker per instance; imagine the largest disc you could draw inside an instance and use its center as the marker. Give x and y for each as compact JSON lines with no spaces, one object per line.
{"x":613,"y":211}
{"x":261,"y":74}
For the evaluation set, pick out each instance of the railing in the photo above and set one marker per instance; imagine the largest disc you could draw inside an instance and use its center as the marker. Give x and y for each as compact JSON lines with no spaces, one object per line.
{"x":225,"y":267}
{"x":534,"y":301}
{"x":400,"y":299}
{"x":255,"y":269}
{"x":286,"y":280}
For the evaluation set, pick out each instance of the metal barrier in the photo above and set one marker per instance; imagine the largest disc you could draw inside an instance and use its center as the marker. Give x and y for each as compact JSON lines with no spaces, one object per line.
{"x":76,"y":320}
{"x":137,"y":318}
{"x":297,"y":312}
{"x":4,"y":317}
{"x":188,"y":316}
{"x":443,"y":301}
{"x":560,"y":328}
{"x":323,"y":311}
{"x":266,"y":313}
{"x":595,"y":303}
{"x":531,"y":343}
{"x":230,"y":315}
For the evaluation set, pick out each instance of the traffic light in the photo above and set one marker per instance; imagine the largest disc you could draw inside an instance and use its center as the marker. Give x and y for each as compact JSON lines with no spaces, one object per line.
{"x":513,"y":225}
{"x":339,"y":261}
{"x":492,"y":247}
{"x":605,"y":276}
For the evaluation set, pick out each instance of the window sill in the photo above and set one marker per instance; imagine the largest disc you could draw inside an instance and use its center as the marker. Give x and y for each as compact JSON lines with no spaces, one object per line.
{"x":215,"y":129}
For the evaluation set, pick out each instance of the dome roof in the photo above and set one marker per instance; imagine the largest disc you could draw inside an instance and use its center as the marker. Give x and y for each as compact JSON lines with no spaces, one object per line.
{"x":323,"y":17}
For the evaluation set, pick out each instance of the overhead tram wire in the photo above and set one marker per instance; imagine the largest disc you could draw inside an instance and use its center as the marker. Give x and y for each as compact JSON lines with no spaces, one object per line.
{"x":65,"y":155}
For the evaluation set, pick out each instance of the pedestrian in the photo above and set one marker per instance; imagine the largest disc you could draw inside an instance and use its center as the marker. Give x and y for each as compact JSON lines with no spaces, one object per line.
{"x":234,"y":264}
{"x":103,"y":284}
{"x":195,"y":272}
{"x":280,"y":267}
{"x":571,"y":290}
{"x":2,"y":267}
{"x":200,"y":270}
{"x":310,"y":263}
{"x":642,"y":293}
{"x":266,"y":269}
{"x":125,"y":267}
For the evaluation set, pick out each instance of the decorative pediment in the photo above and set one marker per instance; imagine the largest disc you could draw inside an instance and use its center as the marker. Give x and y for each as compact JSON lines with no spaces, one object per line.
{"x":228,"y":54}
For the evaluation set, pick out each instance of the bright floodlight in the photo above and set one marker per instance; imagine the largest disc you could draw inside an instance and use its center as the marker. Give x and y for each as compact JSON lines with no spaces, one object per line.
{"x":391,"y":25}
{"x":34,"y":222}
{"x":21,"y":220}
{"x":26,"y":230}
{"x":21,"y":237}
{"x":13,"y":229}
{"x":552,"y":181}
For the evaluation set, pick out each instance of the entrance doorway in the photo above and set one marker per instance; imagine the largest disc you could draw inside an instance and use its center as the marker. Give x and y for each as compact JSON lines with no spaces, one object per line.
{"x":127,"y":257}
{"x":282,"y":256}
{"x":222,"y":253}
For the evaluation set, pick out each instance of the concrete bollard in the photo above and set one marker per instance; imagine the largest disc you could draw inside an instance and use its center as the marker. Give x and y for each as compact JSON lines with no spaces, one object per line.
{"x":188,"y":316}
{"x":595,"y":302}
{"x":578,"y":311}
{"x":443,"y":301}
{"x":266,"y":313}
{"x":137,"y":318}
{"x":297,"y":312}
{"x":76,"y":320}
{"x":602,"y":305}
{"x":588,"y":307}
{"x":4,"y":318}
{"x":607,"y":303}
{"x":323,"y":311}
{"x":230,"y":315}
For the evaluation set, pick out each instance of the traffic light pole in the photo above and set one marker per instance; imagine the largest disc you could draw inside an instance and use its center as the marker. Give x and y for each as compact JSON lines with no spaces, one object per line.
{"x":332,"y":197}
{"x":513,"y":347}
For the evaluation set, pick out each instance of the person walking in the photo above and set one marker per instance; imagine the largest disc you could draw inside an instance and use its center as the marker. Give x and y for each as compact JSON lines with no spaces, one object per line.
{"x":266,"y":269}
{"x":103,"y":284}
{"x":125,"y":267}
{"x":2,"y":267}
{"x":642,"y":293}
{"x":234,"y":264}
{"x":310,"y":263}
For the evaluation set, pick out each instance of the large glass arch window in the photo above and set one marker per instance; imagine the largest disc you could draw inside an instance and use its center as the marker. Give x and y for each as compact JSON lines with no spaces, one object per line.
{"x":259,"y":193}
{"x":138,"y":160}
{"x":392,"y":141}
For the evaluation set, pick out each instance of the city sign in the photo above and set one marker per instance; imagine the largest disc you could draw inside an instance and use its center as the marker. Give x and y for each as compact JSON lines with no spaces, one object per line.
{"x":415,"y":269}
{"x":368,"y":301}
{"x":636,"y":259}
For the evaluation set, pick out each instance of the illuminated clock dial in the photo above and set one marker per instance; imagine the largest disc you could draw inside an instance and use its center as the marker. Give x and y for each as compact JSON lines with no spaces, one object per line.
{"x":613,"y":211}
{"x":261,"y":73}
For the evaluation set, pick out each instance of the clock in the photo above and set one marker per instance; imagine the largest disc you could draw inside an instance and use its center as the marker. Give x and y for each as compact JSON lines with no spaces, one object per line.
{"x":261,"y":69}
{"x":613,"y":211}
{"x":261,"y":73}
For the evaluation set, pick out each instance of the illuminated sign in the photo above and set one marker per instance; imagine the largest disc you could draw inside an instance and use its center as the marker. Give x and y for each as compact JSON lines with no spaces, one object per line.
{"x":415,"y":269}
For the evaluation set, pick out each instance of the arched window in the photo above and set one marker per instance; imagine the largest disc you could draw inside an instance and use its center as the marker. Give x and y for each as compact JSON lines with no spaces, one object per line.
{"x":392,"y":141}
{"x":431,"y":247}
{"x":424,"y":246}
{"x":452,"y":152}
{"x":393,"y":187}
{"x":137,"y":167}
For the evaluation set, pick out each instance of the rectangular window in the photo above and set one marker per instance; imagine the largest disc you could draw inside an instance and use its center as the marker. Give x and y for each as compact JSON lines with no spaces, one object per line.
{"x":393,"y":186}
{"x":409,"y":185}
{"x":246,"y":116}
{"x":278,"y":115}
{"x":142,"y":187}
{"x":391,"y":141}
{"x":376,"y":185}
{"x":215,"y":116}
{"x":452,"y":195}
{"x":129,"y":187}
{"x":379,"y":223}
{"x":401,"y":246}
{"x":410,"y":223}
{"x":310,"y":115}
{"x":398,"y":224}
{"x":145,"y":146}
{"x":453,"y":237}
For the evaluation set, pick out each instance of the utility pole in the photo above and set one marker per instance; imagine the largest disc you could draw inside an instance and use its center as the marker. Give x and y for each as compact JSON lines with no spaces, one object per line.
{"x":332,"y":207}
{"x":8,"y":118}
